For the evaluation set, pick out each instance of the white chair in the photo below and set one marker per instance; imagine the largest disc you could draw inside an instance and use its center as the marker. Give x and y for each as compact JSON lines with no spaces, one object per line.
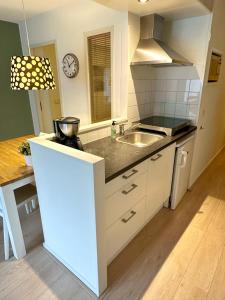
{"x":5,"y":236}
{"x":25,"y":196}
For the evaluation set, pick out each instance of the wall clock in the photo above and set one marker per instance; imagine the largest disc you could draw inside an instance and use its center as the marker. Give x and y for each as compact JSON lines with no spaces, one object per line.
{"x":70,"y":65}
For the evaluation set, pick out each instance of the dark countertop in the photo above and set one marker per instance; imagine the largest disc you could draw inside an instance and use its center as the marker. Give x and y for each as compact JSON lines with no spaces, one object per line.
{"x":120,"y":157}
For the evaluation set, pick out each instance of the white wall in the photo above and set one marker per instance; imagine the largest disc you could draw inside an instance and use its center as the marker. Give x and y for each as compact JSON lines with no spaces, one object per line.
{"x":66,"y":27}
{"x":190,"y":38}
{"x":211,"y":126}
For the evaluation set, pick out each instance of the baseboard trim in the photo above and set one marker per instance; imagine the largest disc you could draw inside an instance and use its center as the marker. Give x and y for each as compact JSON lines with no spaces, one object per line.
{"x":83,"y":282}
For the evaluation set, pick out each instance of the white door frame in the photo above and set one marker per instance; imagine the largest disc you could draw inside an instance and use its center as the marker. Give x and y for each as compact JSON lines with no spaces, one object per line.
{"x":32,"y":97}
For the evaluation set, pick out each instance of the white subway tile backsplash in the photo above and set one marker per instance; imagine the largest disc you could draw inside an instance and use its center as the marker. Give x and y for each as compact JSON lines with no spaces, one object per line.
{"x":171,"y":85}
{"x":160,"y":85}
{"x":139,"y":86}
{"x":182,"y":97}
{"x":136,"y":99}
{"x":181,"y":110}
{"x":141,"y":98}
{"x":192,"y":111}
{"x":193,"y":98}
{"x":170,"y":109}
{"x":164,"y":91}
{"x":195,"y":86}
{"x":183,"y":85}
{"x":171,"y":97}
{"x":147,"y":111}
{"x":148,"y":97}
{"x":141,"y":109}
{"x":159,"y":109}
{"x":139,"y":72}
{"x":148,"y":85}
{"x":160,"y":96}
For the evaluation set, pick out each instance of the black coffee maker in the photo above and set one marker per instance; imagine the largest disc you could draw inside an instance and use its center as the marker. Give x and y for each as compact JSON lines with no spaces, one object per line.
{"x":66,"y":131}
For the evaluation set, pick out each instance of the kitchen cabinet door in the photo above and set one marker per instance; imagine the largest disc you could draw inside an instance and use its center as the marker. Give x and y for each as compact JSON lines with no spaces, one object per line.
{"x":160,"y":175}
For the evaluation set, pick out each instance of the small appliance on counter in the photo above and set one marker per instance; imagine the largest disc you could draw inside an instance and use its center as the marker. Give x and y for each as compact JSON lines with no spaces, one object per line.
{"x":66,"y":131}
{"x":170,"y":126}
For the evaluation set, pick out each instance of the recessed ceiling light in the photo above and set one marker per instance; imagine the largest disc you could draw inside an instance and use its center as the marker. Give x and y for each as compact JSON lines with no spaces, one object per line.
{"x":143,"y":1}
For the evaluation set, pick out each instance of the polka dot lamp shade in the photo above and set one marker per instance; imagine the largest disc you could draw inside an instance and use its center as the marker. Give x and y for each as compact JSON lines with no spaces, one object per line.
{"x":31,"y":73}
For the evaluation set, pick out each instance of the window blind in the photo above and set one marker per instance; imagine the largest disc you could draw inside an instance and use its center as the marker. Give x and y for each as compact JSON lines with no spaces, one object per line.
{"x":99,"y":56}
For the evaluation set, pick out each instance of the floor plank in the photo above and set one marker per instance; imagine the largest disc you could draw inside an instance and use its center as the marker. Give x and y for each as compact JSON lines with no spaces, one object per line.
{"x":201,"y":270}
{"x":217,"y":290}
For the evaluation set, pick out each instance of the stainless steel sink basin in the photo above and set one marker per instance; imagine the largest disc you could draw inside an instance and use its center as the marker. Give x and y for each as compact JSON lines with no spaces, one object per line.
{"x":140,"y":139}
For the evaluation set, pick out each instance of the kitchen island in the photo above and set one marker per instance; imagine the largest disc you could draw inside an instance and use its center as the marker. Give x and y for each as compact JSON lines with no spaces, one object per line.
{"x":93,"y":203}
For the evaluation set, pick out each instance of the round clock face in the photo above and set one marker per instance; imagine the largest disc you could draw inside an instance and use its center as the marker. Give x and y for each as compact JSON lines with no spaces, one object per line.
{"x":70,"y":65}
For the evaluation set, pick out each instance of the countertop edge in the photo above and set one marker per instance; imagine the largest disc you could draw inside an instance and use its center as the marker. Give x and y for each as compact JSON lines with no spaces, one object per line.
{"x":113,"y":176}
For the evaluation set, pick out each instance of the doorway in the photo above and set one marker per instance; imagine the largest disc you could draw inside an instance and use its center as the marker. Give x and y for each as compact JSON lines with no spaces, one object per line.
{"x":48,"y":102}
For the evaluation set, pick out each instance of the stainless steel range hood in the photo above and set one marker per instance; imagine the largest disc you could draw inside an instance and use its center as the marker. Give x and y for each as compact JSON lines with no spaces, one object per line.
{"x":151,"y":49}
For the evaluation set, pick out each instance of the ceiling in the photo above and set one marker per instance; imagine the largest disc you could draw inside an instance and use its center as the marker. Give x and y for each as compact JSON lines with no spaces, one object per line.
{"x":11,"y":10}
{"x":171,"y":9}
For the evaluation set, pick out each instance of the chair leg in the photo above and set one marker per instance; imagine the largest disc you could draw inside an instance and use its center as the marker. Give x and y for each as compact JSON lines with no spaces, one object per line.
{"x":6,"y":239}
{"x":33,"y":203}
{"x":27,"y":207}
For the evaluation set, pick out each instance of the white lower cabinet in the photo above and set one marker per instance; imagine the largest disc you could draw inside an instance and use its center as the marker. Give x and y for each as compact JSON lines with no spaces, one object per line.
{"x":125,"y":198}
{"x":126,"y":227}
{"x":160,"y":174}
{"x":135,"y":197}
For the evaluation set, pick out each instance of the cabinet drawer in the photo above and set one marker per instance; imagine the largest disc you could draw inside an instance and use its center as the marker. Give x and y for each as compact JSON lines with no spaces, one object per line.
{"x":125,"y":198}
{"x":117,"y":183}
{"x":120,"y":233}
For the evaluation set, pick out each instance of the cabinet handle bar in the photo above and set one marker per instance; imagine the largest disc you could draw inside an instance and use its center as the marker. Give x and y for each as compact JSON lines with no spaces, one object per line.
{"x":133,"y":186}
{"x":157,"y":157}
{"x":133,"y":213}
{"x":132,"y":173}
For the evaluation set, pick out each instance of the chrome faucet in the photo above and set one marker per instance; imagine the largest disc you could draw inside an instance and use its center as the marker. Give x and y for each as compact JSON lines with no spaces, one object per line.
{"x":121,"y":129}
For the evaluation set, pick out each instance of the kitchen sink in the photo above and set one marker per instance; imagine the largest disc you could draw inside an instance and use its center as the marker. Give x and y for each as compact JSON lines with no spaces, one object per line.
{"x":140,"y":139}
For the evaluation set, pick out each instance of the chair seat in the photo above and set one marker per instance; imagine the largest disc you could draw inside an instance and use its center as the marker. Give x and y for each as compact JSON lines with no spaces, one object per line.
{"x":25,"y":193}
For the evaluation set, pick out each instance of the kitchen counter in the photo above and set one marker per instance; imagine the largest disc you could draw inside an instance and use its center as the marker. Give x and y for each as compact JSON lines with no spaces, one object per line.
{"x":120,"y":157}
{"x":85,"y":202}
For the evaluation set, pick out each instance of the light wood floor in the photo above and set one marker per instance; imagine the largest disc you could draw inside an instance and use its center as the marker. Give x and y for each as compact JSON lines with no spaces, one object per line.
{"x":179,"y":255}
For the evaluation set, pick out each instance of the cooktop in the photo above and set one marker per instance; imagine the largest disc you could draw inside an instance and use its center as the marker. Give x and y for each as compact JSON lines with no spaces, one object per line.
{"x":168,"y":125}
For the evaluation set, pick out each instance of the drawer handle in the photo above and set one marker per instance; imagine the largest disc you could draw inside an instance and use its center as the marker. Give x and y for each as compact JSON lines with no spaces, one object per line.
{"x":133,"y":213}
{"x":157,"y":157}
{"x":132,"y":173}
{"x":133,"y":187}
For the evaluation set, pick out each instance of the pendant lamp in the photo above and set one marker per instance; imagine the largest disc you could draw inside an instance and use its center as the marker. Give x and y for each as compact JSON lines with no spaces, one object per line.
{"x":31,"y":72}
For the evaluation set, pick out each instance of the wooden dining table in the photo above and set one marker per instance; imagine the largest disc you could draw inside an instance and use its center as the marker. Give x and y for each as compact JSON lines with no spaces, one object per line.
{"x":14,"y":173}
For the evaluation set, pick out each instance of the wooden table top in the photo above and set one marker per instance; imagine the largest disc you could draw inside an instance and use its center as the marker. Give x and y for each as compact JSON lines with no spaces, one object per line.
{"x":12,"y":163}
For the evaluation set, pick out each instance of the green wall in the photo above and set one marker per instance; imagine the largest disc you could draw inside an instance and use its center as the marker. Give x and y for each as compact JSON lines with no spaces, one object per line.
{"x":15,"y":113}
